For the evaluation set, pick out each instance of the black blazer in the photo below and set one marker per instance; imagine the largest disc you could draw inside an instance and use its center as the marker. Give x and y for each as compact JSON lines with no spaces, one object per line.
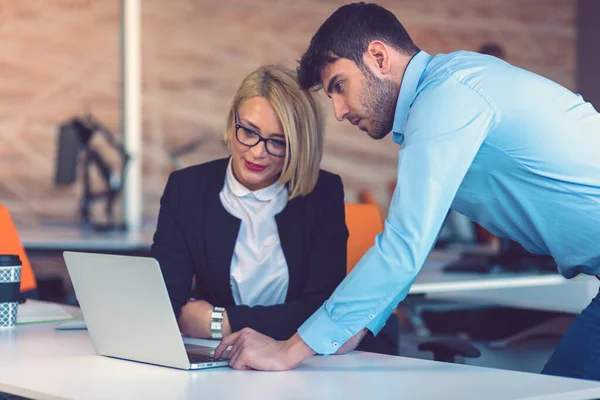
{"x":196,"y":236}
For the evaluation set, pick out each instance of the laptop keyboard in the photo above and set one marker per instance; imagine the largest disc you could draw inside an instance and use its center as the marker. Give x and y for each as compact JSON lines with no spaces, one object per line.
{"x":196,"y":358}
{"x":200,"y":354}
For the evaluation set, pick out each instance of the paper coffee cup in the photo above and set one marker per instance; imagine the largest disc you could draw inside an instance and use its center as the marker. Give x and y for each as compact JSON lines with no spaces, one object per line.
{"x":10,"y":282}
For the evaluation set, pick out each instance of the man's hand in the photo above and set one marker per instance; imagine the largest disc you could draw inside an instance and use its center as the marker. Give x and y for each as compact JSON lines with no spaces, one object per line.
{"x":252,"y":350}
{"x":194,"y":319}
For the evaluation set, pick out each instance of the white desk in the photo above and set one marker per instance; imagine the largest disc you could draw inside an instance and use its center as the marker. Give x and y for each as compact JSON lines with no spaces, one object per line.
{"x":37,"y":361}
{"x":74,"y":238}
{"x":433,"y":279}
{"x":550,"y":292}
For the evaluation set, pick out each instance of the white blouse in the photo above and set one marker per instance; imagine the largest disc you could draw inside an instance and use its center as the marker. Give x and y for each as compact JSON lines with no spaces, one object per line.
{"x":259,"y":273}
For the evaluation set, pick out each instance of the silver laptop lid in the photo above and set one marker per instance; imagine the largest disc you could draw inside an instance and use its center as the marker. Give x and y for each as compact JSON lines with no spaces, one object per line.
{"x":126,"y":308}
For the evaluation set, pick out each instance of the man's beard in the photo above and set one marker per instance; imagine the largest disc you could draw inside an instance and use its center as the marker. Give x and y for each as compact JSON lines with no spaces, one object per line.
{"x":378,"y":98}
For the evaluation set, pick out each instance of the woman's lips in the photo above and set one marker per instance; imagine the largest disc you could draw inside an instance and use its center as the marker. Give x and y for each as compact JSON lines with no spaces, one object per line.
{"x":254,"y":167}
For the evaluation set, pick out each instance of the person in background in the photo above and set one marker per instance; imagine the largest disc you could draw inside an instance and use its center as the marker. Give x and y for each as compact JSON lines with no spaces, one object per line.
{"x":262,"y":232}
{"x":512,"y":150}
{"x":492,"y":49}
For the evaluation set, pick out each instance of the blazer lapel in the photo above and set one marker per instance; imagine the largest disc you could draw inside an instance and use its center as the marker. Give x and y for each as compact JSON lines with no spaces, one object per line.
{"x":220,"y":234}
{"x":290,"y":229}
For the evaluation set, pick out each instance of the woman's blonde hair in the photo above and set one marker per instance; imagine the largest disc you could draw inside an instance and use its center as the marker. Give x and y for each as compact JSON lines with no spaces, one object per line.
{"x":301,"y":117}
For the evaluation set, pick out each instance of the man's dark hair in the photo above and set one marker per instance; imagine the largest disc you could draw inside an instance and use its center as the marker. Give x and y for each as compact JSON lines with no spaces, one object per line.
{"x":347,"y":34}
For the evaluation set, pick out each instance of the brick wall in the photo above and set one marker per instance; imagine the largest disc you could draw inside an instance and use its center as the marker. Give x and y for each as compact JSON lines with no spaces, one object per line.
{"x":59,"y":58}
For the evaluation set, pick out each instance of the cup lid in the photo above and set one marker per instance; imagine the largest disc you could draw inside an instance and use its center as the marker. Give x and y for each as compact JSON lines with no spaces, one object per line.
{"x":9,"y":260}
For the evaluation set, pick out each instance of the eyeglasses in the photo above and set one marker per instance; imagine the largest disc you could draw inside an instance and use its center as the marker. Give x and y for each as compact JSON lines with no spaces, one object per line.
{"x":249,"y":137}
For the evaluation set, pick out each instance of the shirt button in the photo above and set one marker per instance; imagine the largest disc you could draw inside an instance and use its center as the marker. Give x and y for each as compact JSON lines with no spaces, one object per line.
{"x":335,"y":344}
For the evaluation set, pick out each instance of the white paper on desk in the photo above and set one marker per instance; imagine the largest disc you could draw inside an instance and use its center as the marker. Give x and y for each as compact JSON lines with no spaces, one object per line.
{"x":32,"y":312}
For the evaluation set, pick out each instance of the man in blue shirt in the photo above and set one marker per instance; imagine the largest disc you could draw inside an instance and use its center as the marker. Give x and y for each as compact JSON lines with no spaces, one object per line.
{"x":514,"y":151}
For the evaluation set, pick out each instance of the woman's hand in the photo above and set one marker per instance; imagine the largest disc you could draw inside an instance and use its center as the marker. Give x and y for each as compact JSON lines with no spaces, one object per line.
{"x":194,"y":319}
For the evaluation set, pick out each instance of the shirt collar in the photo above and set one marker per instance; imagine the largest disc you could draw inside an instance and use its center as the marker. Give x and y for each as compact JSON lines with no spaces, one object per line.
{"x":239,"y":190}
{"x":412,"y":76}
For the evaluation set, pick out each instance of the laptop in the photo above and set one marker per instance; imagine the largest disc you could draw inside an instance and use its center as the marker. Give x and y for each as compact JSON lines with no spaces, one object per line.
{"x":128,"y":312}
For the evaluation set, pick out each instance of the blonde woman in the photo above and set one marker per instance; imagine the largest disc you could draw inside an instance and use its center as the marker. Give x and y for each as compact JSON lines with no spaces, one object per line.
{"x":262,"y":232}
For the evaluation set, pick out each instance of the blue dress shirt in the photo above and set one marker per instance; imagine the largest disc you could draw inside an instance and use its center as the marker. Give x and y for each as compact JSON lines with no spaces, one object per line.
{"x":514,"y":151}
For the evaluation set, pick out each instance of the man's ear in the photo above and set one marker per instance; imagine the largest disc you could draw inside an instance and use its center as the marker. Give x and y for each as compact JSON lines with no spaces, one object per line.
{"x":378,"y":57}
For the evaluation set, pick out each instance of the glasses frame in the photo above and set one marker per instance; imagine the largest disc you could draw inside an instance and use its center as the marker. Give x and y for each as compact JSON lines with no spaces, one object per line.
{"x":239,"y":126}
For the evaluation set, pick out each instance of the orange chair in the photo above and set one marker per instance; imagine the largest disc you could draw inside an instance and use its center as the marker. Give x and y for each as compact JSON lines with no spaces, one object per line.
{"x":364,"y":223}
{"x":11,"y":244}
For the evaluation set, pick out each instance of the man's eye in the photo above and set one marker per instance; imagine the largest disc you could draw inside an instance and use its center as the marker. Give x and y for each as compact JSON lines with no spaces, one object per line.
{"x":338,"y":86}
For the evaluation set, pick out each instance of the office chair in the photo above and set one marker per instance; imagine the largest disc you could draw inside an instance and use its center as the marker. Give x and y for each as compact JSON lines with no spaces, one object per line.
{"x":448,"y":349}
{"x":75,"y":137}
{"x":10,"y":243}
{"x":364,"y":223}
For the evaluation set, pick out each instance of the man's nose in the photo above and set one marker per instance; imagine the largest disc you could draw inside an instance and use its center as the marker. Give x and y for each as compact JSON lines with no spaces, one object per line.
{"x":340,"y":108}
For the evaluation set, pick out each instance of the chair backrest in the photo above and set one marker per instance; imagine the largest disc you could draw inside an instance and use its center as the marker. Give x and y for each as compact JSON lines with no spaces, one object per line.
{"x":11,"y":244}
{"x":364,"y":223}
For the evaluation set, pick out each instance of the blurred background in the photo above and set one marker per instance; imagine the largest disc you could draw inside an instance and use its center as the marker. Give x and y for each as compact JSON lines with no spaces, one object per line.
{"x":60,"y":58}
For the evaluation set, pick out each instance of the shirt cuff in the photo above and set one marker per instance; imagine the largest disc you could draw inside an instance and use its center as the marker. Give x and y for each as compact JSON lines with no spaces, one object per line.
{"x":379,"y":321}
{"x":323,"y":335}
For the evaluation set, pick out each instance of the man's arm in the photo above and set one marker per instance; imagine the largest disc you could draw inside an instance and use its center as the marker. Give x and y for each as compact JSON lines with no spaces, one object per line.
{"x":445,"y":129}
{"x":446,"y":126}
{"x":252,"y":350}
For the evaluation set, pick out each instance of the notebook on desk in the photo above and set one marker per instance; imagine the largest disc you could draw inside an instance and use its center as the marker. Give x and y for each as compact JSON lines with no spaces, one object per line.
{"x":128,"y":313}
{"x":34,"y":312}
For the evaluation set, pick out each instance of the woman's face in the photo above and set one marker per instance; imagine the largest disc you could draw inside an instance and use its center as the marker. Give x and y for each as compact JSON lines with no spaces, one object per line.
{"x":253,"y":166}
